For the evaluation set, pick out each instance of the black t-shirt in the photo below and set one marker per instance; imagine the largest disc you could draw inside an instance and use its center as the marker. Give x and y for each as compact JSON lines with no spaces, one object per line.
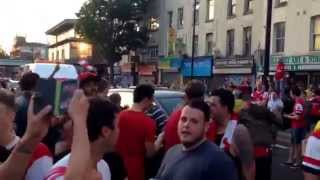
{"x":206,"y":162}
{"x":116,"y":165}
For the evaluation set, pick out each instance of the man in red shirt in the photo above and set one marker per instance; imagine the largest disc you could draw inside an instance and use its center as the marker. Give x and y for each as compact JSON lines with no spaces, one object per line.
{"x":194,"y":90}
{"x":259,"y":96}
{"x":298,"y":125}
{"x":137,"y":133}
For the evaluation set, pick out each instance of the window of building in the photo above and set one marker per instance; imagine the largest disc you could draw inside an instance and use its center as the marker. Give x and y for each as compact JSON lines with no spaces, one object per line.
{"x":230,"y":42}
{"x":52,"y":56}
{"x":210,"y":10}
{"x":180,"y":18}
{"x":209,"y":43}
{"x":170,"y":18}
{"x":247,"y":34}
{"x":279,"y":36}
{"x":197,"y":13}
{"x":62,"y":55}
{"x":57,"y":55}
{"x":232,"y":4}
{"x":153,"y":24}
{"x":153,"y":51}
{"x":315,"y":33}
{"x":196,"y":45}
{"x":248,"y":6}
{"x":180,"y":46}
{"x":280,"y":3}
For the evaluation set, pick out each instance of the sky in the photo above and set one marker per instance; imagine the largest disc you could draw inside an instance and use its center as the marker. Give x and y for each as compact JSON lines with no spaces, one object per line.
{"x":32,"y":18}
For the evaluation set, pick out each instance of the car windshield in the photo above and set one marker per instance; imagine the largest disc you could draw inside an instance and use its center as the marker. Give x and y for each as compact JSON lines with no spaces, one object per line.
{"x":170,"y":103}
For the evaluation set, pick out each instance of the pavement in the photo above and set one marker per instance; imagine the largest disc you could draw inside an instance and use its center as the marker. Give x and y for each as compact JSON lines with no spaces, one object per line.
{"x":280,"y":172}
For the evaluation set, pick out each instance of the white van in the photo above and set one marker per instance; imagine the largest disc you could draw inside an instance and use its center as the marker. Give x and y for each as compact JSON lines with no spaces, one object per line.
{"x":44,"y":70}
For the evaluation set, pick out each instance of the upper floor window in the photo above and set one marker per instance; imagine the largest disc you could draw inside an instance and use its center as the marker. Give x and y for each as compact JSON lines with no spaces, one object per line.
{"x":279,"y":33}
{"x":232,"y":4}
{"x":315,"y":33}
{"x":248,"y":6}
{"x":230,"y":42}
{"x":170,"y":18}
{"x":247,"y":34}
{"x":209,"y":43}
{"x":153,"y":24}
{"x":180,"y":18}
{"x":280,"y":3}
{"x":210,"y":10}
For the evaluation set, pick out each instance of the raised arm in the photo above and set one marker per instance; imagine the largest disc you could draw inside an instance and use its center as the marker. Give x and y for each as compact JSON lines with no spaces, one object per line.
{"x":80,"y":149}
{"x":15,"y":166}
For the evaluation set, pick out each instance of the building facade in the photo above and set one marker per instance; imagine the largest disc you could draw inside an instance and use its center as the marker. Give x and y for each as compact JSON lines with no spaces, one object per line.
{"x":28,"y":50}
{"x":65,"y":45}
{"x":296,"y":39}
{"x":233,"y":31}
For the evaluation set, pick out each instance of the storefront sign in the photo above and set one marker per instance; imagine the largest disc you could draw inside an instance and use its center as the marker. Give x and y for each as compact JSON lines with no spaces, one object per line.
{"x":233,"y":62}
{"x":234,"y":65}
{"x":297,"y":63}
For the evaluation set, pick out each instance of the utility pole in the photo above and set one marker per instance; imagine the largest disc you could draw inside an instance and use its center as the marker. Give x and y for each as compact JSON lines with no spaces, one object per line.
{"x":267,"y":39}
{"x":193,"y":35}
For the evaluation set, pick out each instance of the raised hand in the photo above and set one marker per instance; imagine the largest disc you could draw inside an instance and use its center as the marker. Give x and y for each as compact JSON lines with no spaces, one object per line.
{"x":38,"y":124}
{"x":78,"y":107}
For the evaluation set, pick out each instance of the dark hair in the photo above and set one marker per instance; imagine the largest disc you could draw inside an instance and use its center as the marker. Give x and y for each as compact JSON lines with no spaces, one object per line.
{"x":226,"y":98}
{"x":115,"y":98}
{"x":102,"y":113}
{"x":29,"y":81}
{"x":202,"y":106}
{"x":7,"y":98}
{"x":103,"y":84}
{"x":296,"y":91}
{"x":143,"y":91}
{"x":195,"y":90}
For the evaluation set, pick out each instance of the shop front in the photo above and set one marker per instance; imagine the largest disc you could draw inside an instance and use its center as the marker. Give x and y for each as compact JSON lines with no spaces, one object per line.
{"x":303,"y":69}
{"x":169,"y":71}
{"x":147,"y":74}
{"x":232,"y":71}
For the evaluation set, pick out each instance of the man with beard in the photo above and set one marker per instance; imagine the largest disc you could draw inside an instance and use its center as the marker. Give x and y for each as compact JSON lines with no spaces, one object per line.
{"x":195,"y":157}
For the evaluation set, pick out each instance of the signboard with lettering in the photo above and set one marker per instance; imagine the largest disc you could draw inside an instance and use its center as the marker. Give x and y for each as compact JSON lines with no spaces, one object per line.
{"x":296,"y":63}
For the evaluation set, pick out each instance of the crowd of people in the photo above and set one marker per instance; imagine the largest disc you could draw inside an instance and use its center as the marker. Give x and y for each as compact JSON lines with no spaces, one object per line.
{"x":225,"y":134}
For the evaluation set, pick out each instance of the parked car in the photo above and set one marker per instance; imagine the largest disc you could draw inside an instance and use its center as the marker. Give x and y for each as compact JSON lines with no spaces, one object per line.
{"x":167,"y":100}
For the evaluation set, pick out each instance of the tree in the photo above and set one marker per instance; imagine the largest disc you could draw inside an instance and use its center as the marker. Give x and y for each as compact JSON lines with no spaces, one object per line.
{"x":114,"y":27}
{"x":3,"y":53}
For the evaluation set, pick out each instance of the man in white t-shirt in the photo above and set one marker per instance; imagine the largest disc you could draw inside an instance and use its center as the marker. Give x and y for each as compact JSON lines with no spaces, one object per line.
{"x":95,"y":132}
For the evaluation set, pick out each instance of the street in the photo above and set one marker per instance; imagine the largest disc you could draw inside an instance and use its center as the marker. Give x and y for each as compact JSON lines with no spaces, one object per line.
{"x":278,"y":171}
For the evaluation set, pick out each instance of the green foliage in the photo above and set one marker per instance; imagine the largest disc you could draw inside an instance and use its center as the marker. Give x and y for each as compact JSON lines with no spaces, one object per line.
{"x":3,"y":54}
{"x":113,"y":26}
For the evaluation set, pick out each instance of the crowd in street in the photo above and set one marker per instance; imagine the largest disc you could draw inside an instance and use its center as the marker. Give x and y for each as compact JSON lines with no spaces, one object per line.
{"x":226,"y":134}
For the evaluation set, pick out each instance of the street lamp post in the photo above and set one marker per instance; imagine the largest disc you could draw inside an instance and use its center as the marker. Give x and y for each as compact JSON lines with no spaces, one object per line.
{"x":267,"y":39}
{"x":193,"y":35}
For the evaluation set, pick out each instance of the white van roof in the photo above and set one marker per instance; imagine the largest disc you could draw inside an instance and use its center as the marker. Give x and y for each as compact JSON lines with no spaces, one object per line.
{"x":44,"y":70}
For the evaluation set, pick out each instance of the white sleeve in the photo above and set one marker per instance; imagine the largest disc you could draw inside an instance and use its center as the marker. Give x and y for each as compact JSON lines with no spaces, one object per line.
{"x":39,"y":168}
